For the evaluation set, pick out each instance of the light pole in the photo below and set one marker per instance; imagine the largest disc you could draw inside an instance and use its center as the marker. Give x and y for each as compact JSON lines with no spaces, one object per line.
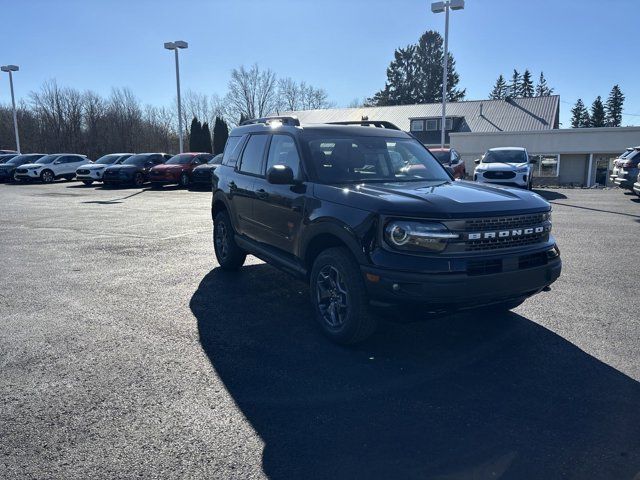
{"x":439,"y":7}
{"x":10,"y":69}
{"x":175,"y":46}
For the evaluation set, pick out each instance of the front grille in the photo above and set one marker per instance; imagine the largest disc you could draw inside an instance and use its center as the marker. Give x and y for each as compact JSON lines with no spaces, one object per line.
{"x":21,"y":170}
{"x":83,"y":172}
{"x":499,"y":174}
{"x":495,"y":243}
{"x":500,"y":223}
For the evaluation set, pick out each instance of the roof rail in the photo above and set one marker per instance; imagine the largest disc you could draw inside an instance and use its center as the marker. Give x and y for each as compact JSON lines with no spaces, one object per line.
{"x":367,"y":123}
{"x":293,"y":121}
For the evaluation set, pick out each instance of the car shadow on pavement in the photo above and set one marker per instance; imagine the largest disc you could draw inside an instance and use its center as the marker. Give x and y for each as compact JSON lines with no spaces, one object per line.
{"x":549,"y":194}
{"x":457,"y":397}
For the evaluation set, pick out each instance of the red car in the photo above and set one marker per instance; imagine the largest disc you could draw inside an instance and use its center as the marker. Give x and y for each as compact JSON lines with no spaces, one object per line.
{"x":449,"y":157}
{"x":177,"y":170}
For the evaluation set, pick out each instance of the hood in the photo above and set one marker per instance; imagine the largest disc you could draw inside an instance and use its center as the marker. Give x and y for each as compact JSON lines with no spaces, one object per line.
{"x":164,"y":167}
{"x":432,"y":200}
{"x":500,"y":166}
{"x":119,"y":168}
{"x":31,"y":165}
{"x":94,"y":166}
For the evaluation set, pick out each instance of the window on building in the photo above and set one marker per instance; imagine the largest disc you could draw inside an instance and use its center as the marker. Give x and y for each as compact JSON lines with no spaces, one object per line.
{"x":448,"y":124}
{"x":433,"y":124}
{"x":417,"y":125}
{"x":548,"y":165}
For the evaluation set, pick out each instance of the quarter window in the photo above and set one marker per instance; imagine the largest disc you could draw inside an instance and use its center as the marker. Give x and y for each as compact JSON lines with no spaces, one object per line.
{"x":283,"y":152}
{"x":231,"y":152}
{"x":253,"y":154}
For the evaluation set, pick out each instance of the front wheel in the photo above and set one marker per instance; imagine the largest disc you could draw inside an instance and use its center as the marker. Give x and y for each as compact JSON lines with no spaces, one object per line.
{"x":47,"y":176}
{"x":138,"y":180}
{"x":339,"y":297}
{"x":184,"y":180}
{"x":230,"y":256}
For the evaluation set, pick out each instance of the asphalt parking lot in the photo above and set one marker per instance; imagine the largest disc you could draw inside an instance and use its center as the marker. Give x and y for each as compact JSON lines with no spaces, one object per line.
{"x":125,"y":352}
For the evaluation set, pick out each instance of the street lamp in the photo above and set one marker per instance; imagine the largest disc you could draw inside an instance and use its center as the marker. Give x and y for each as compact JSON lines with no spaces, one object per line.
{"x":10,"y":69}
{"x":175,"y":46}
{"x":439,"y":7}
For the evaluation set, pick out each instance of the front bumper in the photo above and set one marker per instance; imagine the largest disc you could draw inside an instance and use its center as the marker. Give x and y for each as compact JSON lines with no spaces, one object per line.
{"x":163,"y":179}
{"x":636,"y":188}
{"x":485,"y":282}
{"x":623,"y":182}
{"x":29,"y":175}
{"x":94,"y":175}
{"x":519,"y":180}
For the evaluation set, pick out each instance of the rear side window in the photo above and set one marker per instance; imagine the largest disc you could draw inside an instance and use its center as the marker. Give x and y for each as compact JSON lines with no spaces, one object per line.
{"x":253,"y":154}
{"x":231,"y":151}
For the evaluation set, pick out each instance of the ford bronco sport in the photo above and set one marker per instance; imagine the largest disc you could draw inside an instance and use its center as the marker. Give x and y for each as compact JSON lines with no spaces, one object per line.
{"x":365,"y":214}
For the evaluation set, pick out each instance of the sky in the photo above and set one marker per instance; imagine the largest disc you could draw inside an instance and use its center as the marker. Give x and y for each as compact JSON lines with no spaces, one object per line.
{"x":343,"y":46}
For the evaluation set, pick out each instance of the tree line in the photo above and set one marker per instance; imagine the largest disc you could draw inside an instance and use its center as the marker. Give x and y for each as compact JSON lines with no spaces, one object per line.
{"x":520,"y":86}
{"x":63,"y":119}
{"x":602,"y":114}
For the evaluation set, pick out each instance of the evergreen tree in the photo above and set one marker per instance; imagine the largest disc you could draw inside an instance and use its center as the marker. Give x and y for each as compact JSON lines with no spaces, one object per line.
{"x":220,"y":135}
{"x":579,"y":115}
{"x":515,"y":87}
{"x":195,"y":135}
{"x":415,"y":75}
{"x":526,"y":88}
{"x":542,"y":89}
{"x":500,"y":88}
{"x":206,"y":139}
{"x":598,"y":117}
{"x":613,"y":107}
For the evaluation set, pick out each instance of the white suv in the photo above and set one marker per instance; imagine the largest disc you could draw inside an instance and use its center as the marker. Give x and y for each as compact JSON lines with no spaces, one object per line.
{"x":50,"y":167}
{"x":92,"y":172}
{"x":508,"y":166}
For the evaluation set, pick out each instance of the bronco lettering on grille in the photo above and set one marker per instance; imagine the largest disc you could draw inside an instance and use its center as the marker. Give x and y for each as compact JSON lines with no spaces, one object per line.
{"x":519,"y":232}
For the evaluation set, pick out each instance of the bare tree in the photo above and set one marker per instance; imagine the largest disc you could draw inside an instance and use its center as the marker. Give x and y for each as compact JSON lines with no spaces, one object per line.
{"x":252,"y":93}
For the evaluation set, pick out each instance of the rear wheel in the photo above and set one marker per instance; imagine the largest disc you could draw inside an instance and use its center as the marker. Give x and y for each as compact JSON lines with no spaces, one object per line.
{"x":230,"y":256}
{"x":339,"y":297}
{"x":87,"y":182}
{"x":47,"y":176}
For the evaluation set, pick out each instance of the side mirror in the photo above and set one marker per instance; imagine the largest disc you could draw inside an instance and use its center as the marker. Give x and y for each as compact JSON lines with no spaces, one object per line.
{"x":280,"y":175}
{"x":477,"y":161}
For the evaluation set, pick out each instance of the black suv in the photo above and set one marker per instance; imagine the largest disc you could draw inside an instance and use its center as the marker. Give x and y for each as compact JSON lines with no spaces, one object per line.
{"x":366,"y":215}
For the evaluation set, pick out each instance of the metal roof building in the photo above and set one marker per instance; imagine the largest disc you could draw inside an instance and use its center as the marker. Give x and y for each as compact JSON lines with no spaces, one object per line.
{"x":478,"y":116}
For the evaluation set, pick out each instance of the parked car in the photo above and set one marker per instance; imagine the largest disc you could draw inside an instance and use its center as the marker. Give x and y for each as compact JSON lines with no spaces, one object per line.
{"x":177,"y":170}
{"x":326,"y":203}
{"x":509,"y":166}
{"x":134,"y":170}
{"x":628,"y":170}
{"x":7,"y":156}
{"x":617,"y":163}
{"x":51,"y":167}
{"x":92,"y":172}
{"x":449,"y":157}
{"x":202,"y":175}
{"x":636,"y":186}
{"x":8,"y":168}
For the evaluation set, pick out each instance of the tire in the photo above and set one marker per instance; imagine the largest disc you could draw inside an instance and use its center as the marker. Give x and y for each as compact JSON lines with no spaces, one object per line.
{"x":47,"y":176}
{"x":87,"y":182}
{"x":185,"y":180}
{"x":229,"y":255}
{"x":339,"y":297}
{"x":138,"y":180}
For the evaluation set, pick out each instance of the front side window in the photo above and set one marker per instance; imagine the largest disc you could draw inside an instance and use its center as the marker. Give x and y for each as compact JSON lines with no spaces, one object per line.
{"x":47,"y":159}
{"x":283,"y":151}
{"x":253,"y":154}
{"x":373,"y":159}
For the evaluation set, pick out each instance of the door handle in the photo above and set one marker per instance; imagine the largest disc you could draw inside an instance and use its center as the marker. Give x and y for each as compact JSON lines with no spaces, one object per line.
{"x":262,"y":193}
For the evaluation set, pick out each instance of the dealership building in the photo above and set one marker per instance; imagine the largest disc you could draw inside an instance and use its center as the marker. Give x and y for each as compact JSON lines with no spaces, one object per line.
{"x":578,"y":157}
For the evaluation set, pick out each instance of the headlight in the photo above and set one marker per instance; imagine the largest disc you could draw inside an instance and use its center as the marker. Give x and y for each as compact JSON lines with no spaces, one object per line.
{"x":417,"y":236}
{"x":522,"y":170}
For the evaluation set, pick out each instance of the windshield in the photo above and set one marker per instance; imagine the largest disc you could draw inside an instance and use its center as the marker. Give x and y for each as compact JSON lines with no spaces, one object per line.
{"x":217,"y":160}
{"x":373,"y":159}
{"x":47,"y":159}
{"x":107,"y":159}
{"x":6,"y":158}
{"x":182,"y":159}
{"x":22,"y":159}
{"x":442,"y":156}
{"x":138,"y":160}
{"x":505,"y":156}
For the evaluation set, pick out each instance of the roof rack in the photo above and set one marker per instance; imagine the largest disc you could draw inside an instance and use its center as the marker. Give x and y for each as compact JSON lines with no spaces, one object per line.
{"x":368,"y":123}
{"x":293,"y":121}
